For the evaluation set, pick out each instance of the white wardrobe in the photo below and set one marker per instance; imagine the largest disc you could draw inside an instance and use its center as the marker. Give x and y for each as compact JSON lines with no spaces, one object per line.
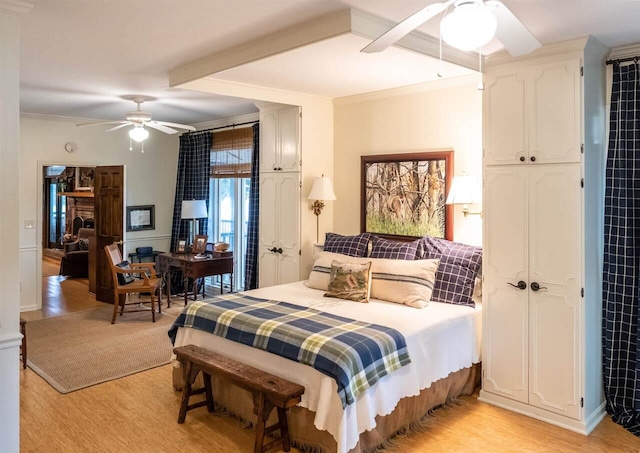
{"x":280,"y":186}
{"x":544,"y":156}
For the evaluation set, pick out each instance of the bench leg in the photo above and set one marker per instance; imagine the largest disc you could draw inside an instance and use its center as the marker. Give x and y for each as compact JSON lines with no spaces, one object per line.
{"x":208,"y":391}
{"x":262,"y":408}
{"x":189,"y":378}
{"x":284,"y":429}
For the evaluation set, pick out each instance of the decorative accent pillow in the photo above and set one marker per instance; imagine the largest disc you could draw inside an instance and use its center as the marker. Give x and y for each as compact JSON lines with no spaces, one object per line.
{"x":457,"y":272}
{"x":347,"y":245}
{"x":320,"y":272}
{"x":400,"y":281}
{"x":403,"y":282}
{"x":125,"y":279}
{"x":83,"y":244}
{"x":394,"y":250}
{"x":350,"y":281}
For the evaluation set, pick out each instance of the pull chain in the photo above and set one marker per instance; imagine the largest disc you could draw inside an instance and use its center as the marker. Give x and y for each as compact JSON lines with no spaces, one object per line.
{"x":480,"y":83}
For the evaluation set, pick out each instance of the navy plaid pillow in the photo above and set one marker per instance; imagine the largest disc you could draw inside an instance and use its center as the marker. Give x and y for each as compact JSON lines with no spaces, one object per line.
{"x":393,"y":250}
{"x":457,"y":271}
{"x":347,"y":245}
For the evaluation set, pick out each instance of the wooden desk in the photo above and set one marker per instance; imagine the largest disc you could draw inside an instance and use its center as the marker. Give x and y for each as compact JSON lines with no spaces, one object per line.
{"x":193,"y":268}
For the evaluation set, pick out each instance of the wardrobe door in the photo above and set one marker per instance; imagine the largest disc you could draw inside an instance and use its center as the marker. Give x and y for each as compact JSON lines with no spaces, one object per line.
{"x":504,"y":118}
{"x":268,"y":233}
{"x":554,"y":304}
{"x":288,"y":227}
{"x":505,"y":307}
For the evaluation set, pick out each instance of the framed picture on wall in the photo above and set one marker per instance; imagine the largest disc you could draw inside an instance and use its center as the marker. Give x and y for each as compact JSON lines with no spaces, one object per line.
{"x":141,"y":218}
{"x":403,"y":195}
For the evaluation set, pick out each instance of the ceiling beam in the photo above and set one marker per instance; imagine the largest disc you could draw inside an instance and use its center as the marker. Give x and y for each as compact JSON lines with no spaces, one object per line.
{"x":325,"y":27}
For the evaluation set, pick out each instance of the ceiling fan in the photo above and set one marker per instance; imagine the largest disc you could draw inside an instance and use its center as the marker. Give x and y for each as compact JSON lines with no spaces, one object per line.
{"x":139,"y":120}
{"x":470,"y":25}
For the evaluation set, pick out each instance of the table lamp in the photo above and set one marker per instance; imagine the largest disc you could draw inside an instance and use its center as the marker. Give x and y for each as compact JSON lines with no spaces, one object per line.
{"x":193,"y":210}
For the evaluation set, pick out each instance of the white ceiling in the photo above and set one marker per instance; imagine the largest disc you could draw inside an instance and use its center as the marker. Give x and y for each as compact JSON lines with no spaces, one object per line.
{"x":79,"y":57}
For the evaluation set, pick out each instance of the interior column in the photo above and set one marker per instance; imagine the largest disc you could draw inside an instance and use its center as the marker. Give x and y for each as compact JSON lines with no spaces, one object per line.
{"x":11,"y":13}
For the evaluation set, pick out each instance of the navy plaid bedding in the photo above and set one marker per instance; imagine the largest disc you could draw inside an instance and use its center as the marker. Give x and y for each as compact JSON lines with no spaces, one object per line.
{"x":354,"y":353}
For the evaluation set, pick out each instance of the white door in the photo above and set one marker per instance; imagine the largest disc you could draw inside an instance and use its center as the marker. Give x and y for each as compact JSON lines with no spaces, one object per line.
{"x":269,"y":145}
{"x":289,"y":227}
{"x":268,"y":232}
{"x":554,"y":309}
{"x":504,"y":117}
{"x":505,"y":305}
{"x":555,"y":112}
{"x":288,"y":123}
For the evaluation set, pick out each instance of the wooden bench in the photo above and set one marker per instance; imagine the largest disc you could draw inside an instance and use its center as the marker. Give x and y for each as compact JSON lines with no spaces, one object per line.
{"x":268,"y":391}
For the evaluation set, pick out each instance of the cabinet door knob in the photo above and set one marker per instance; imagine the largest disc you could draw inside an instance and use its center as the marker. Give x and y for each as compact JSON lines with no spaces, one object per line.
{"x":533,"y":158}
{"x":521,"y":285}
{"x":535,"y":286}
{"x":279,"y":250}
{"x":274,"y":250}
{"x":521,"y":158}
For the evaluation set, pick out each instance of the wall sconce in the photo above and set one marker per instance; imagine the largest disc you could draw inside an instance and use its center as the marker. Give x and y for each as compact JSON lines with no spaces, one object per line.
{"x":463,"y":192}
{"x":322,"y":190}
{"x":192,"y":210}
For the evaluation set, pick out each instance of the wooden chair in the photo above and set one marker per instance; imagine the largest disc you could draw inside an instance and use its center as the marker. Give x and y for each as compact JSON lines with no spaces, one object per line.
{"x":142,"y":284}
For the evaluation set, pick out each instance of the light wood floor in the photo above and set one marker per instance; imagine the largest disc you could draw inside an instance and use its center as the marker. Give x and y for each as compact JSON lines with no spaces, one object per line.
{"x":138,"y":414}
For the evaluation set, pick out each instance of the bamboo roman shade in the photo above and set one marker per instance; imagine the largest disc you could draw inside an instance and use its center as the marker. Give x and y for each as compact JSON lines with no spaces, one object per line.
{"x":231,"y":151}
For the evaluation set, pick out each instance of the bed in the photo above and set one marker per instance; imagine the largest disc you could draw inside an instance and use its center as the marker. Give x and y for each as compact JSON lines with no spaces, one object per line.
{"x":442,"y":339}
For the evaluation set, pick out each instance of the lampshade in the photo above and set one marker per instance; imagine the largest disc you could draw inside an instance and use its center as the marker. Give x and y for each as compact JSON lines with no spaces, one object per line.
{"x":470,"y":26}
{"x":463,"y":190}
{"x":139,"y":134}
{"x":322,"y":189}
{"x":194,"y":209}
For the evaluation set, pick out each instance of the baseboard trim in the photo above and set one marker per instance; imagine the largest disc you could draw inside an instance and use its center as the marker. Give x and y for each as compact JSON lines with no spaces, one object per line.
{"x":596,"y":417}
{"x":577,"y":426}
{"x":31,"y":307}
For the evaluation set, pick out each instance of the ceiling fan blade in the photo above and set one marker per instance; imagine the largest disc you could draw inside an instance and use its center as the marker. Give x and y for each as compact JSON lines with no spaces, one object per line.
{"x":98,"y":123}
{"x":512,"y":33}
{"x":120,"y":126}
{"x":179,"y":126}
{"x":406,"y":26}
{"x":160,"y":127}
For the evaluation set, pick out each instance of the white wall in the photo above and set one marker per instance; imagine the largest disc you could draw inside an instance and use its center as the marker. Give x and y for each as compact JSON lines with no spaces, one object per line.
{"x":425,"y":117}
{"x":150,"y":179}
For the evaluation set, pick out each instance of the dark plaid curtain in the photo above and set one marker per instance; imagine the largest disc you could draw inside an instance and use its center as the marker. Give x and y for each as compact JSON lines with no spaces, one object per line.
{"x":251,"y":269}
{"x":192,"y":183}
{"x":622,"y":252}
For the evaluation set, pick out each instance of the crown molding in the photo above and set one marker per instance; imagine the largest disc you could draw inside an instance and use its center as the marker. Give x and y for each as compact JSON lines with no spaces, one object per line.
{"x":71,"y":119}
{"x":15,"y":7}
{"x":410,"y":89}
{"x":572,"y":45}
{"x":632,"y":50}
{"x":226,"y":121}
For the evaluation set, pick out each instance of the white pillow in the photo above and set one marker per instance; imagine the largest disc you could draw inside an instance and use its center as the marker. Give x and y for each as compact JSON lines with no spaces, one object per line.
{"x":400,"y":281}
{"x":403,"y":281}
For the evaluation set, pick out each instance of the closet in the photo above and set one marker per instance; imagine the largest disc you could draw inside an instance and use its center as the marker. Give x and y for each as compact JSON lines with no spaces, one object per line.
{"x":280,"y":186}
{"x":544,"y":148}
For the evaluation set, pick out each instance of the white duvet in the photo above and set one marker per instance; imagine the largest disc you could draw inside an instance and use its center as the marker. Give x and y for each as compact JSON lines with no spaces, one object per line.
{"x":441,"y":339}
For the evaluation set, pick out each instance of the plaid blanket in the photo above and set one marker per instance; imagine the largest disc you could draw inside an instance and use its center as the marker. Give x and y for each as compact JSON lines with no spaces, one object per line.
{"x":354,"y":353}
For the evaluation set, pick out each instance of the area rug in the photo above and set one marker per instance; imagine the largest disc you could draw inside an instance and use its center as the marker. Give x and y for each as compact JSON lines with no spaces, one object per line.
{"x":78,"y":350}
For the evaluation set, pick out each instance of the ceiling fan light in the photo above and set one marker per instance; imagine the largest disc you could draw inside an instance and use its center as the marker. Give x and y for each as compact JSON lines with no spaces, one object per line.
{"x":139,"y":134}
{"x":469,"y":26}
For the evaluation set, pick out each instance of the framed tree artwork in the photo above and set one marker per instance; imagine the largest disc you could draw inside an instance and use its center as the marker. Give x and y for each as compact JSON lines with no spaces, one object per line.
{"x":403,"y":195}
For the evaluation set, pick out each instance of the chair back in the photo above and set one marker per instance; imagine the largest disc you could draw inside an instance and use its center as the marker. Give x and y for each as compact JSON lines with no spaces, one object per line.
{"x":115,"y":257}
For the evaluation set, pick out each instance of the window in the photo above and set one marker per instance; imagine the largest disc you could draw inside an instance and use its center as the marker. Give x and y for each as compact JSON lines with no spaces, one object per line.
{"x":229,"y":194}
